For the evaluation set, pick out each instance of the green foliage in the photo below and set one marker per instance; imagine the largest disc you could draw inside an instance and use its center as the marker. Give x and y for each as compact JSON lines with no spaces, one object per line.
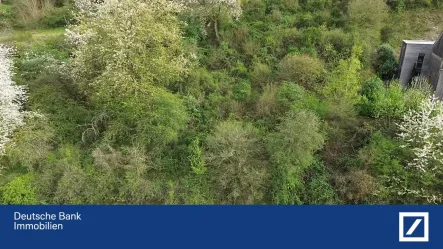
{"x":32,"y":143}
{"x":260,"y":75}
{"x":42,"y":13}
{"x":242,"y":90}
{"x":196,"y":157}
{"x":401,"y":5}
{"x":390,"y":101}
{"x":289,"y":93}
{"x":371,"y":92}
{"x":385,"y":62}
{"x":293,"y":96}
{"x":57,"y":17}
{"x":297,"y":138}
{"x":318,"y":187}
{"x":147,"y":102}
{"x":19,"y":191}
{"x":302,"y":69}
{"x":344,"y":83}
{"x":128,"y":80}
{"x":6,"y":17}
{"x":267,"y":105}
{"x":382,"y":156}
{"x":235,"y":161}
{"x":291,"y":148}
{"x":367,"y":21}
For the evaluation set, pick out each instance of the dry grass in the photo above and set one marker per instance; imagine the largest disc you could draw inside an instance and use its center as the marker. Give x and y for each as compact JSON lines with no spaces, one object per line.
{"x":415,"y":25}
{"x":30,"y":11}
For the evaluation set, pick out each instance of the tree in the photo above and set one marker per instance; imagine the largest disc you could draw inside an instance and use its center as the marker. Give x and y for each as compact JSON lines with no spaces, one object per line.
{"x":12,"y":97}
{"x":385,"y":62}
{"x":344,"y":82}
{"x":371,"y":91}
{"x":127,"y":54}
{"x":292,"y":149}
{"x":422,"y":131}
{"x":235,"y":161}
{"x":302,"y":69}
{"x":209,"y":12}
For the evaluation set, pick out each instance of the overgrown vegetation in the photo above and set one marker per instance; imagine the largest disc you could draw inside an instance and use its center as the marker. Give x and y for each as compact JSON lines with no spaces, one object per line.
{"x":216,"y":102}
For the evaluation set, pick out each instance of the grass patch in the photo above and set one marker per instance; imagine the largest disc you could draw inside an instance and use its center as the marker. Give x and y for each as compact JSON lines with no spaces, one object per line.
{"x":28,"y":38}
{"x":421,"y":24}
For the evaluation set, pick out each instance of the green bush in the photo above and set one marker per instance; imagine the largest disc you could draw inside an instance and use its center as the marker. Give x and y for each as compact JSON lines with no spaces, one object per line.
{"x":371,"y":91}
{"x":292,"y":149}
{"x":242,"y":90}
{"x":235,"y":162}
{"x":289,"y":93}
{"x":260,"y":75}
{"x":302,"y":69}
{"x":318,"y":186}
{"x":57,"y":17}
{"x":382,"y":101}
{"x":295,"y":97}
{"x":385,"y":62}
{"x":19,"y":191}
{"x":382,"y":156}
{"x":6,"y":17}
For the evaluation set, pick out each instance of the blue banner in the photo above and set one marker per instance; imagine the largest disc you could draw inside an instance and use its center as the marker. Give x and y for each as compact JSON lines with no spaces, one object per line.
{"x":221,"y":227}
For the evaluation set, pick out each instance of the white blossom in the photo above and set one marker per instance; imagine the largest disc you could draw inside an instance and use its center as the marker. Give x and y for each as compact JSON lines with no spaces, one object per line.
{"x":205,"y":7}
{"x":422,"y":131}
{"x":76,"y":38}
{"x":12,"y":97}
{"x":85,"y":6}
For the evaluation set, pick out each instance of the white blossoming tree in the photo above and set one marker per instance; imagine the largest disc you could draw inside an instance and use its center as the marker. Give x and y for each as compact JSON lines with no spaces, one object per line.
{"x":127,"y":53}
{"x":422,"y":131}
{"x":11,"y":98}
{"x":210,"y":11}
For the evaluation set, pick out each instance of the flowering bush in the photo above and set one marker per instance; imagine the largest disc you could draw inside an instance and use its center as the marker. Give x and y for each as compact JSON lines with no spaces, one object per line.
{"x":209,"y":8}
{"x":11,"y":98}
{"x":422,"y":131}
{"x":127,"y":54}
{"x":208,"y":12}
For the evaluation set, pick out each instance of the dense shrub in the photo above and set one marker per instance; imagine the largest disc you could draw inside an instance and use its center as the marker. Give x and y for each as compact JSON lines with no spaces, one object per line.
{"x":318,"y":185}
{"x":57,"y":17}
{"x":291,"y":148}
{"x":385,"y":62}
{"x":260,"y":75}
{"x":303,"y":70}
{"x":218,"y":103}
{"x":19,"y":191}
{"x":6,"y":17}
{"x":235,"y":161}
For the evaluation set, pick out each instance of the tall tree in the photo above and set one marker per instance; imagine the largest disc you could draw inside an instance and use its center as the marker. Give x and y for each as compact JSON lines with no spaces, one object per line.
{"x":210,"y":11}
{"x":235,"y":161}
{"x":127,"y":53}
{"x":292,"y":149}
{"x":11,"y":99}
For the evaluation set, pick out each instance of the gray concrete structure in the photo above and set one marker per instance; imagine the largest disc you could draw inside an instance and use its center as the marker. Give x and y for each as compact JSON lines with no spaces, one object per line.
{"x":415,"y":60}
{"x":423,"y":58}
{"x":436,"y":67}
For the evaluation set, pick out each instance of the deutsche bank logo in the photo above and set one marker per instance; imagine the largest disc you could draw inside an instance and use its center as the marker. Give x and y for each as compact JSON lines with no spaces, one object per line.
{"x":414,"y":226}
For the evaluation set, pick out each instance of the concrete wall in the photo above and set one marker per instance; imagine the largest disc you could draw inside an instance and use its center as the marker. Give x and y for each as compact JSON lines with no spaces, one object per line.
{"x":434,"y":70}
{"x":439,"y":90}
{"x":410,"y":52}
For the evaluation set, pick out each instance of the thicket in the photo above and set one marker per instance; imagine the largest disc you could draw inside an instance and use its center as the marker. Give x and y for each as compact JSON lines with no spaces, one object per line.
{"x":219,"y":102}
{"x":28,"y":14}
